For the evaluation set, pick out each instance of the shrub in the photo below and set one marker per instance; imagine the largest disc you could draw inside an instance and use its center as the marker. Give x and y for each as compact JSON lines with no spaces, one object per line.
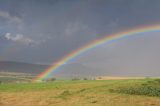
{"x":149,"y":88}
{"x":50,"y":79}
{"x":85,"y":78}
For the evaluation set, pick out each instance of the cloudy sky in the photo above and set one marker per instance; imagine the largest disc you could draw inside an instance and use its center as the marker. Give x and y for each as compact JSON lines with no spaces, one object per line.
{"x":42,"y":31}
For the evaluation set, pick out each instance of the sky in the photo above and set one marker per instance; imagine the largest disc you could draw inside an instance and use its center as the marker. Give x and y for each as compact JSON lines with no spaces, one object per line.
{"x":43,"y":31}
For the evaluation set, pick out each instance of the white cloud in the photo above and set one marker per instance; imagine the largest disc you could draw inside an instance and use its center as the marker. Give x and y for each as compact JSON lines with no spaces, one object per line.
{"x":19,"y":38}
{"x":10,"y":18}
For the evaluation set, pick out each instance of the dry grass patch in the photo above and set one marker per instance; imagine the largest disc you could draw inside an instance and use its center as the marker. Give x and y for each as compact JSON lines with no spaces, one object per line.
{"x":71,"y":93}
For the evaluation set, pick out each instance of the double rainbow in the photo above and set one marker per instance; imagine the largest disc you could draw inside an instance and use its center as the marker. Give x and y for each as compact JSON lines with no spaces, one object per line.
{"x":94,"y":44}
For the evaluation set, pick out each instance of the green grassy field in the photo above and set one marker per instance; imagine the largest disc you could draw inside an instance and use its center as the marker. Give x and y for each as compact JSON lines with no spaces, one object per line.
{"x":82,"y":93}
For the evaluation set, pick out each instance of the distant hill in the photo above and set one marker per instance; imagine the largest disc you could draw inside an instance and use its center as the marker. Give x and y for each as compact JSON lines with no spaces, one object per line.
{"x":13,"y":77}
{"x":76,"y":70}
{"x":71,"y":70}
{"x":20,"y":67}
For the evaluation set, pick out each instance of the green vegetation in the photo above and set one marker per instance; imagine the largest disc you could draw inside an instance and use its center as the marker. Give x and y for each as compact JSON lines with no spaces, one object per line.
{"x":149,"y":88}
{"x":82,"y":93}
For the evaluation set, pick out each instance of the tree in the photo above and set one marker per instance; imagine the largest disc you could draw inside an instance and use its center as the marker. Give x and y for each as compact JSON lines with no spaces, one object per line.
{"x":51,"y":79}
{"x":85,"y":78}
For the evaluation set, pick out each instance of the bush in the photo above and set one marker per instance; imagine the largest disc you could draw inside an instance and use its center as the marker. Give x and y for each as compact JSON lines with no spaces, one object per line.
{"x":85,"y":78}
{"x":50,"y":79}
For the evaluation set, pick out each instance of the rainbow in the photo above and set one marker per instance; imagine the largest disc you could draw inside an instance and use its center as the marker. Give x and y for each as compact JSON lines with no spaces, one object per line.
{"x":94,"y":44}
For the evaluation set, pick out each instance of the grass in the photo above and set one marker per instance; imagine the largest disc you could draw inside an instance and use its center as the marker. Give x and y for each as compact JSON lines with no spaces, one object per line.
{"x":77,"y":93}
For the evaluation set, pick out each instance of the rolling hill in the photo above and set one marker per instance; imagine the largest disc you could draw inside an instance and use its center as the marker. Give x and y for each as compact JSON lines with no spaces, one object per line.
{"x":20,"y":67}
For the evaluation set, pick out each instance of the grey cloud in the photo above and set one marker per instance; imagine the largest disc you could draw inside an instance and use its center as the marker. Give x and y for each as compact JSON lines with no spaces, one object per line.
{"x":9,"y":17}
{"x":74,"y":27}
{"x":58,"y":27}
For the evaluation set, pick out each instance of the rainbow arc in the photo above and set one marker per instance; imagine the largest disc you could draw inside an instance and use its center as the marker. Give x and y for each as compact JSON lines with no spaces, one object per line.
{"x":94,"y":44}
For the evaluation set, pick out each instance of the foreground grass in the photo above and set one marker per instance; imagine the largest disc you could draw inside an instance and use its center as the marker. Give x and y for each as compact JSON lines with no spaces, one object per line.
{"x":74,"y":93}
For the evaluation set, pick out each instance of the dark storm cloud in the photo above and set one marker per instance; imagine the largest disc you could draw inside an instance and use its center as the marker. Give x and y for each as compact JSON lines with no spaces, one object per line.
{"x":57,"y":27}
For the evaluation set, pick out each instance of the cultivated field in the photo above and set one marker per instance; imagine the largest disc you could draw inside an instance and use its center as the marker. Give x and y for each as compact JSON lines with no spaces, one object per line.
{"x":13,"y":77}
{"x":82,"y":93}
